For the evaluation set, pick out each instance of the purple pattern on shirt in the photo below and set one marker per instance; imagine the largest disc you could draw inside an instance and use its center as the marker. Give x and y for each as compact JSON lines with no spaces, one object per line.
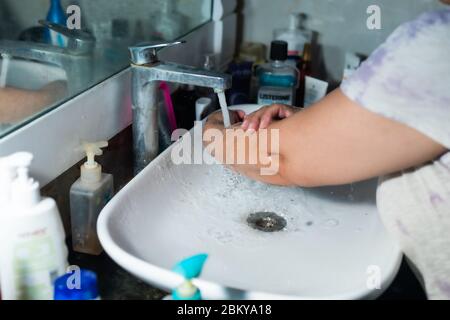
{"x":436,"y":199}
{"x":402,"y":228}
{"x":444,"y":286}
{"x":386,"y":84}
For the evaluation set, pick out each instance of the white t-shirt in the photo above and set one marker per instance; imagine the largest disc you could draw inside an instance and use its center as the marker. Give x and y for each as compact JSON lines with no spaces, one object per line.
{"x":407,"y":79}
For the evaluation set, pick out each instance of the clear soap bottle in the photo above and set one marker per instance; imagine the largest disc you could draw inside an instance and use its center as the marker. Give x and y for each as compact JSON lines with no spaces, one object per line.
{"x":88,"y":196}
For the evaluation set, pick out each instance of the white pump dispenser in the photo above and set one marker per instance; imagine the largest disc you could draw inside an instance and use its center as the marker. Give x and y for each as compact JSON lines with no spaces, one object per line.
{"x":8,"y":172}
{"x":32,"y":247}
{"x":24,"y":190}
{"x":91,"y":171}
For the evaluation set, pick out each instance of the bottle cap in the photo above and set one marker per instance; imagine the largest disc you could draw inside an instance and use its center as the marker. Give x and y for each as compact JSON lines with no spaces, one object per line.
{"x":24,"y":190}
{"x":189,"y":268}
{"x":279,"y":50}
{"x":73,"y":286}
{"x":91,"y":171}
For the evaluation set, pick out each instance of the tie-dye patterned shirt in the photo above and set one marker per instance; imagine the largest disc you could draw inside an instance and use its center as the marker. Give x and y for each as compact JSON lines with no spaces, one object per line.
{"x":407,"y":79}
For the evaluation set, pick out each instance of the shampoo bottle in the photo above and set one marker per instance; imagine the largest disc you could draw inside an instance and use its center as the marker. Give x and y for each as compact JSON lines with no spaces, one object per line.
{"x":88,"y":195}
{"x":32,"y":247}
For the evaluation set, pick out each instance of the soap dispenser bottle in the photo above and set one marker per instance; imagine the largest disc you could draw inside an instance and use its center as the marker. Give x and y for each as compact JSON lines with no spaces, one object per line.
{"x":88,"y":196}
{"x":32,"y":247}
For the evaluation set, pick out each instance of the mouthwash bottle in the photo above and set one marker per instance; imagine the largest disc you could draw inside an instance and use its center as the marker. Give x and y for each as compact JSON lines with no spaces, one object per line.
{"x":278,"y":80}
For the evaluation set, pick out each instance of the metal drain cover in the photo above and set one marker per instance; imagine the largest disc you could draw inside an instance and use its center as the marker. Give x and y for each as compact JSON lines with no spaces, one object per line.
{"x":266,"y":221}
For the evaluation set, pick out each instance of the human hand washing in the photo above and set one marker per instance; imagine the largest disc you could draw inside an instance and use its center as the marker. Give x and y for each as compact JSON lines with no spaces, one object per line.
{"x":262,"y":118}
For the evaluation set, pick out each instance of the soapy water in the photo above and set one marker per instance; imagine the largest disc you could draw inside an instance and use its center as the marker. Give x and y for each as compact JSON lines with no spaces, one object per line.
{"x":224,"y":107}
{"x":4,"y":70}
{"x":216,"y":202}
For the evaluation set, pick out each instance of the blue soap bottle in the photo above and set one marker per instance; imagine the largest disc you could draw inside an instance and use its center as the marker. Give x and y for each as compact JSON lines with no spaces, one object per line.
{"x":56,"y":15}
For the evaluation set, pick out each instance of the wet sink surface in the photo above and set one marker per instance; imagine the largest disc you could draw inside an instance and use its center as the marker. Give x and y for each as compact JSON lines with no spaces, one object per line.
{"x":331,"y":246}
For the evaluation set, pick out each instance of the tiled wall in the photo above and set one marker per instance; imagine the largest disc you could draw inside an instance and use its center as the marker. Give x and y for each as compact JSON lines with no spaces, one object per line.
{"x":341,"y":24}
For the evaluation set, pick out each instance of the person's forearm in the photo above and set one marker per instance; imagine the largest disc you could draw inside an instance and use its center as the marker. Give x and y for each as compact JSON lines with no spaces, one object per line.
{"x":17,"y":104}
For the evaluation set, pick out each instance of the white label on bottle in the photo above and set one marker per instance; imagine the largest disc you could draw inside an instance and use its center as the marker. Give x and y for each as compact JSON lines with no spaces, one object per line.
{"x":269,"y":95}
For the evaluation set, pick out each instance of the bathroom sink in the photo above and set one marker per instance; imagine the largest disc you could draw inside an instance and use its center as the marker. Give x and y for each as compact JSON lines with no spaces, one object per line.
{"x":332,"y":244}
{"x":32,"y":75}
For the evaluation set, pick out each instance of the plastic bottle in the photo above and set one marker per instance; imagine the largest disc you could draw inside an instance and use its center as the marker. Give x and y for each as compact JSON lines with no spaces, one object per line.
{"x":296,"y":36}
{"x":32,"y":245}
{"x":81,"y":285}
{"x":277,"y":80}
{"x":56,"y":15}
{"x":88,"y":196}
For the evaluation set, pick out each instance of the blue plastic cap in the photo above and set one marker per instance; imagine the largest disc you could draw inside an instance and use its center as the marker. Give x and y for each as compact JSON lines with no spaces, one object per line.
{"x":69,"y":287}
{"x":192,"y":267}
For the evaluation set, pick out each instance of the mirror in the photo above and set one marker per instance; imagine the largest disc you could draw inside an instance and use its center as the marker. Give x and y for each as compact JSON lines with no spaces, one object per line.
{"x":42,"y":65}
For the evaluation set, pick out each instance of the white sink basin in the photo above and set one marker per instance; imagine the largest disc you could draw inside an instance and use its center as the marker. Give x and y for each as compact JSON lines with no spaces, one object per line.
{"x":32,"y":75}
{"x":332,"y":247}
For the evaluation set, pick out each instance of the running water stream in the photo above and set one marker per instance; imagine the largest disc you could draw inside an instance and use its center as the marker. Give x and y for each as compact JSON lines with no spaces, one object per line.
{"x":224,"y":107}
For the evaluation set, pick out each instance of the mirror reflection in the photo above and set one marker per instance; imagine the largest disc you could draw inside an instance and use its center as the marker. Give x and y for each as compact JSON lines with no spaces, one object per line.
{"x":52,"y":50}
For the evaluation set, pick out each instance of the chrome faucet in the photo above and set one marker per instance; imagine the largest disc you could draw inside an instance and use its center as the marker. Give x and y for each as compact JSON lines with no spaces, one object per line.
{"x":75,"y":59}
{"x":147,"y":71}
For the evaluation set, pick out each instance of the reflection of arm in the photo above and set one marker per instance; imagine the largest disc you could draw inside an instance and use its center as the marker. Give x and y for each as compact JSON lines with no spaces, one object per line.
{"x":16,"y":105}
{"x":336,"y":142}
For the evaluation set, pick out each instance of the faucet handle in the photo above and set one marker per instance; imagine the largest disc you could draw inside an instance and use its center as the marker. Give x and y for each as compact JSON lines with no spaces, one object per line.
{"x":145,"y":53}
{"x":79,"y":41}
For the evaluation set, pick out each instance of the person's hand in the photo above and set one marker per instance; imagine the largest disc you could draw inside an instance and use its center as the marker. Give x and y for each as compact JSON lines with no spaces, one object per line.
{"x":262,"y":118}
{"x":216,"y":118}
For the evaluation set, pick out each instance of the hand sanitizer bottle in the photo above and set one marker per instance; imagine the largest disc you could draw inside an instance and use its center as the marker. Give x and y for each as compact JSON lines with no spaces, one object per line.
{"x":32,"y":245}
{"x":278,"y":81}
{"x":88,"y":196}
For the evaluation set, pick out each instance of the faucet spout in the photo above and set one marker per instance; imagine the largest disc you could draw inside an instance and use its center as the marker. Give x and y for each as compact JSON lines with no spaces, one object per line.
{"x":176,"y":73}
{"x":145,"y":101}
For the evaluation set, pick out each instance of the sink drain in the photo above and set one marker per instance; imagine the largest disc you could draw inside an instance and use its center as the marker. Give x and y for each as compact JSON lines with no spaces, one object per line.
{"x":266,"y":221}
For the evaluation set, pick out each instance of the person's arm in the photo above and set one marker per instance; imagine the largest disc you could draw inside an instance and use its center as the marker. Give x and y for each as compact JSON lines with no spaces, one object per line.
{"x":17,"y":104}
{"x":336,"y":142}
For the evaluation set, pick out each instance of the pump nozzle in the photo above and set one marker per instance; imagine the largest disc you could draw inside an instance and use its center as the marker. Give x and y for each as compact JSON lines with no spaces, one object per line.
{"x":24,"y":190}
{"x":91,"y":171}
{"x":8,"y":172}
